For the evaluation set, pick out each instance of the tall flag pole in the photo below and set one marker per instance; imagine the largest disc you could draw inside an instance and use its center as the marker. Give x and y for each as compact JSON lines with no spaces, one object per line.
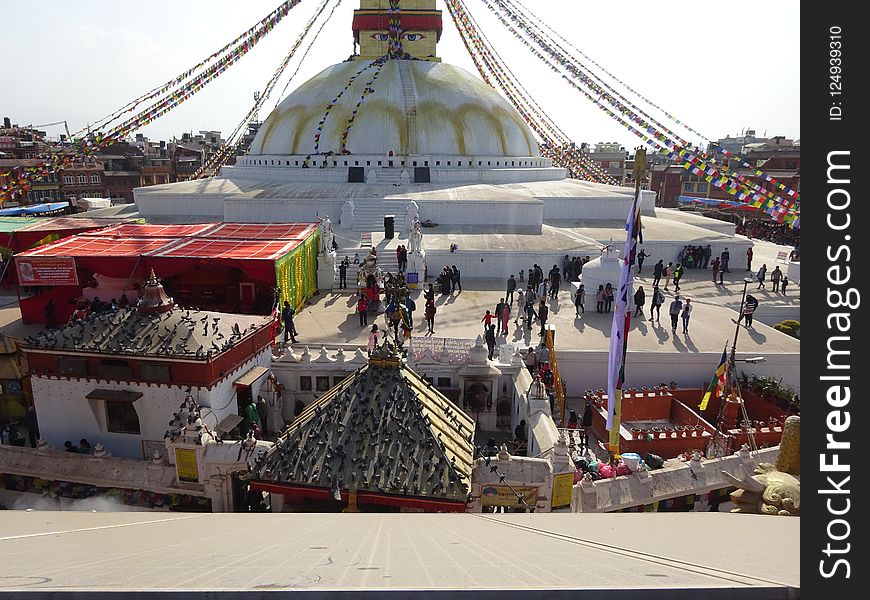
{"x":622,"y":314}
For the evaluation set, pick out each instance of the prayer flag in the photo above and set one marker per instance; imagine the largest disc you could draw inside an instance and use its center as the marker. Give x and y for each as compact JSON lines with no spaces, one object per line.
{"x":717,"y":383}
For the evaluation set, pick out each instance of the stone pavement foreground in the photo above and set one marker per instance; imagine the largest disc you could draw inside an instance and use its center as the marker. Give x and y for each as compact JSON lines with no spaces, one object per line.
{"x":709,"y":555}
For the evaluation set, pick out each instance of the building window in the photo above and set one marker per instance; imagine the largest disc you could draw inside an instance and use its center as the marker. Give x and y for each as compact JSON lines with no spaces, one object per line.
{"x":338,"y":379}
{"x":444,"y":382}
{"x":437,"y":163}
{"x":702,"y":186}
{"x":688,"y":186}
{"x":304,"y":383}
{"x":121,"y":417}
{"x":69,"y":179}
{"x":322,"y":383}
{"x":82,"y":178}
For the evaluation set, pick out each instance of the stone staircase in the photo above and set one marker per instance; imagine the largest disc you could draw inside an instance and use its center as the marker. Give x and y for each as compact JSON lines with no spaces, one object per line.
{"x":368,"y":213}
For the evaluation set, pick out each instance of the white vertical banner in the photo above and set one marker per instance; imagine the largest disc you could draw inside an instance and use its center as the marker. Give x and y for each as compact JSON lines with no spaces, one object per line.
{"x":621,"y":323}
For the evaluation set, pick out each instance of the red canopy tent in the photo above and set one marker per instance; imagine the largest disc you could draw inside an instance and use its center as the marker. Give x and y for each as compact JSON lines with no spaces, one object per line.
{"x":255,"y":258}
{"x":231,"y":266}
{"x":262,"y":231}
{"x":52,"y":229}
{"x":143,"y":230}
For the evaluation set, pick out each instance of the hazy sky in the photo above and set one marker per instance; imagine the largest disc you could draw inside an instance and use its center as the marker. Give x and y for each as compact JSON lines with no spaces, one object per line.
{"x":720,"y":67}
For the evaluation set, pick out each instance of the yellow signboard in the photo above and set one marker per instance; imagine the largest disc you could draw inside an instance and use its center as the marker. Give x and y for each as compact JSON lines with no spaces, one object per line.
{"x":185,"y":464}
{"x":501,"y":495}
{"x":563,"y":484}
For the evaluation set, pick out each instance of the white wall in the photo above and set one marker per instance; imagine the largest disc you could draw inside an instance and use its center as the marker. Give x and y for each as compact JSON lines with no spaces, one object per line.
{"x":65,"y":414}
{"x":519,"y":215}
{"x":276,"y":210}
{"x":207,"y":207}
{"x":604,"y":207}
{"x":585,"y":370}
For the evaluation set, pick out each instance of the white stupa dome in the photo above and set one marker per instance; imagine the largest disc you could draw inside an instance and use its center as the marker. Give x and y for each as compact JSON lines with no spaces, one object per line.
{"x":416,"y":108}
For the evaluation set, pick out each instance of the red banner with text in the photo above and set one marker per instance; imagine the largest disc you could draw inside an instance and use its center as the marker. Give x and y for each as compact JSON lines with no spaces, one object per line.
{"x":47,"y":270}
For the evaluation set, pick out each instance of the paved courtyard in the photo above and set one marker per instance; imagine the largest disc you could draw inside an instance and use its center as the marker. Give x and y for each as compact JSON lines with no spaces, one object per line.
{"x":330,"y":319}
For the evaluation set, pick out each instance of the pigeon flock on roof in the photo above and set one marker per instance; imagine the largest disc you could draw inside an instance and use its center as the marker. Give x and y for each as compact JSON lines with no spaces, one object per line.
{"x":382,"y":430}
{"x":178,"y":333}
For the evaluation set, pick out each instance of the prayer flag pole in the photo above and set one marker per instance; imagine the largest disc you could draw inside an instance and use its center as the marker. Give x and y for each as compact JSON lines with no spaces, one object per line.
{"x":622,"y":314}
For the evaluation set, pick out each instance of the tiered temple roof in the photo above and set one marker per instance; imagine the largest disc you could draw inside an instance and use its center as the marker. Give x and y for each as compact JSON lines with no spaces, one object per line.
{"x":382,"y":430}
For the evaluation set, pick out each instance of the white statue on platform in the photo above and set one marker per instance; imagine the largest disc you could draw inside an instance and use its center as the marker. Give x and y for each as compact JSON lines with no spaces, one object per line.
{"x":347,"y":215}
{"x":415,"y":238}
{"x":327,"y":235}
{"x":412,"y":215}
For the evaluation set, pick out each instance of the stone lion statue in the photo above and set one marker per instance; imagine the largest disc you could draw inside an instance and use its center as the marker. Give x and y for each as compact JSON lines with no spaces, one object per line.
{"x":772,"y":489}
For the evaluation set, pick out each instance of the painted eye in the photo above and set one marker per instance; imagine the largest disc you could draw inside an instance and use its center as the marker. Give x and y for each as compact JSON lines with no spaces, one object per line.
{"x":413,"y":37}
{"x":381,"y":37}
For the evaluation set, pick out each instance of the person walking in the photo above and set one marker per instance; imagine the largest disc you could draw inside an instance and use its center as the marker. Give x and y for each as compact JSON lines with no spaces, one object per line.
{"x":687,"y":313}
{"x":521,"y":305}
{"x":748,"y":310}
{"x":579,"y":300}
{"x":505,"y":318}
{"x":555,"y":282}
{"x":429,"y":313}
{"x":640,"y":257}
{"x":658,"y":269}
{"x":543,"y":313}
{"x":639,"y":299}
{"x":489,"y":336}
{"x":511,"y":287}
{"x":708,"y":252}
{"x":487,"y":320}
{"x":749,"y":259}
{"x":656,"y":304}
{"x":608,"y":297}
{"x":667,"y":272}
{"x":342,"y":275}
{"x":542,"y":288}
{"x":674,"y":310}
{"x":362,"y":309}
{"x":263,"y":411}
{"x":374,"y":334}
{"x":410,"y":307}
{"x":761,"y":276}
{"x":530,"y":310}
{"x":599,"y":299}
{"x":531,"y":361}
{"x":775,"y":278}
{"x":457,"y":283}
{"x":714,"y":266}
{"x":287,"y":314}
{"x":724,"y":258}
{"x":784,"y":283}
{"x":678,"y":274}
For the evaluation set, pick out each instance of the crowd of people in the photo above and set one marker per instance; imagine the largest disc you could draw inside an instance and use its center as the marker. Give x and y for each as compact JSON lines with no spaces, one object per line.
{"x":778,"y":233}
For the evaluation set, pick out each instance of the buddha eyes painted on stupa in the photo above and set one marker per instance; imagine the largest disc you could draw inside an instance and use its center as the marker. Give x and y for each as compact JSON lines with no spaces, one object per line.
{"x":411,"y":37}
